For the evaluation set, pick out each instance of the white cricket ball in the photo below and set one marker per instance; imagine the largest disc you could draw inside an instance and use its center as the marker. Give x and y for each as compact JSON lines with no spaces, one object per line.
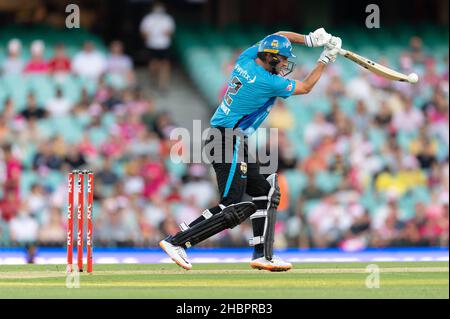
{"x":413,"y":78}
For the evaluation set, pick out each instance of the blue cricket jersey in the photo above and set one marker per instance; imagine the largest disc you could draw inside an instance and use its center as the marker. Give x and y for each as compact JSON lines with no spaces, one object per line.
{"x":251,"y":93}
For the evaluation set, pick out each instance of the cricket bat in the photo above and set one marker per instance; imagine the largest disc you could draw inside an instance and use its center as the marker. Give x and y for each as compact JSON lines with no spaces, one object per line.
{"x":378,"y":68}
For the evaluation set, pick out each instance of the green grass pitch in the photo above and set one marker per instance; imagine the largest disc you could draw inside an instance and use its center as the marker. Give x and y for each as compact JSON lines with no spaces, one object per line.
{"x":322,"y":280}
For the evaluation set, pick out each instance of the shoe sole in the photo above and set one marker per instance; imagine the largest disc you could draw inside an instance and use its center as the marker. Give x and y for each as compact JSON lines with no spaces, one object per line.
{"x":270,"y":268}
{"x":175,"y":261}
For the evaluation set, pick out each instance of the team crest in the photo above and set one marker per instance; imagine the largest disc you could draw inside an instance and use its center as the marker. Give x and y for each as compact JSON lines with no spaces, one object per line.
{"x":244,"y":168}
{"x":275,"y":44}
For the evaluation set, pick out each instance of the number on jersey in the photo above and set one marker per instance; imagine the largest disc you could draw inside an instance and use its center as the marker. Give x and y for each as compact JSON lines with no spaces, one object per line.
{"x":234,"y":87}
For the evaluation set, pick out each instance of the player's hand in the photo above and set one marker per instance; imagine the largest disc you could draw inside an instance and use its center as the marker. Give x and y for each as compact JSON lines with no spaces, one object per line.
{"x":318,"y":38}
{"x":331,"y":50}
{"x":335,"y":44}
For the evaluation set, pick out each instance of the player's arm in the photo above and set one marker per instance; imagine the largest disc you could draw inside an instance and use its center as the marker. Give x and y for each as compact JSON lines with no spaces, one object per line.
{"x":327,"y":56}
{"x":305,"y":86}
{"x":317,"y":38}
{"x":293,"y":37}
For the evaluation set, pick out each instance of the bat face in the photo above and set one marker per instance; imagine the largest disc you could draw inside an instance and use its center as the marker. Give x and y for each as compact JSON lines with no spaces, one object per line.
{"x":375,"y":67}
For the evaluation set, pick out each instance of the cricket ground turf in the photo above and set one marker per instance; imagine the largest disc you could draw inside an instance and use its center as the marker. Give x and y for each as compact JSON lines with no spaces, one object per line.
{"x":306,"y":280}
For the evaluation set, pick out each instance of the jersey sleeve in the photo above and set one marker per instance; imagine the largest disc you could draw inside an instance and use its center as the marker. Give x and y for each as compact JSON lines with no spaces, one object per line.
{"x":282,"y":87}
{"x":250,"y":53}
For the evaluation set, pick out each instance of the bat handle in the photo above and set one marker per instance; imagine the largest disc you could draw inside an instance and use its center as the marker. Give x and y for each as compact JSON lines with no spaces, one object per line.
{"x":341,"y":51}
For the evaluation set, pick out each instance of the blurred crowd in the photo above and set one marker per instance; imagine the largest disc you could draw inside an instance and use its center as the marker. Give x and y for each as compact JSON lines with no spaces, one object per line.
{"x":136,"y":188}
{"x":387,"y":150}
{"x":388,"y":155}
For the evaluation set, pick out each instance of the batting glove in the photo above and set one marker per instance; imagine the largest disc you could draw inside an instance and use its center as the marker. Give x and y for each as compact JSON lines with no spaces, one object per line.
{"x":331,"y":50}
{"x":317,"y":38}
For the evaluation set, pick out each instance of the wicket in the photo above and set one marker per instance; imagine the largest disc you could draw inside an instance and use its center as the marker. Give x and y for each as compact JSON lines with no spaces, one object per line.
{"x":80,"y":218}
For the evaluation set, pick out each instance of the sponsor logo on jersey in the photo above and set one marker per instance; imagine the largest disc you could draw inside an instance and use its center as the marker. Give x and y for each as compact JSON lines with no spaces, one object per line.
{"x":289,"y":87}
{"x":252,"y":80}
{"x":243,"y":73}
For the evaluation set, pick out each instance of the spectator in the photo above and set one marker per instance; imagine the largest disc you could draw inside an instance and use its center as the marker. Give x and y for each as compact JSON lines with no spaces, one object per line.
{"x":311,"y":190}
{"x":359,"y":88}
{"x":187,"y":210}
{"x":89,"y":63}
{"x":361,"y":119}
{"x":113,"y":147}
{"x":402,"y":173}
{"x":87,"y":148}
{"x":431,"y":76}
{"x":197,"y":188}
{"x":317,"y":130}
{"x":335,"y":87}
{"x":134,"y":181}
{"x":82,"y":106}
{"x":60,"y":62}
{"x":120,"y":230}
{"x":336,"y":113}
{"x":138,"y":103}
{"x":157,"y":29}
{"x":119,"y":65}
{"x":286,"y":153}
{"x":383,"y":117}
{"x":60,"y":65}
{"x":128,"y":127}
{"x":37,"y":201}
{"x":281,"y":117}
{"x":59,"y":105}
{"x":8,"y":113}
{"x":32,"y":110}
{"x":436,"y":109}
{"x":444,"y":225}
{"x":416,"y":50}
{"x":155,"y":177}
{"x":326,"y":224}
{"x":106,"y":176}
{"x":9,"y":204}
{"x":45,"y":159}
{"x":145,"y":143}
{"x":53,"y":233}
{"x":409,"y":119}
{"x":37,"y":64}
{"x":75,"y":158}
{"x":13,"y":170}
{"x":24,"y":228}
{"x":13,"y":64}
{"x":425,"y":150}
{"x":4,"y":128}
{"x":387,"y":224}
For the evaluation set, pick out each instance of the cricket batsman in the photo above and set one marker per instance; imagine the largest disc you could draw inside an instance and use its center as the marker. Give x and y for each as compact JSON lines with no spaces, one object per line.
{"x":258,"y":78}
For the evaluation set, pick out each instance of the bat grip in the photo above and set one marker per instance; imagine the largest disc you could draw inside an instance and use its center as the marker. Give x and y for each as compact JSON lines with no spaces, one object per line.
{"x":341,"y":51}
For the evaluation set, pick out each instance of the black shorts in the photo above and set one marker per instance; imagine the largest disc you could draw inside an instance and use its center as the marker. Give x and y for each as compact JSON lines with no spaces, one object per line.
{"x":237,"y":173}
{"x":163,"y":54}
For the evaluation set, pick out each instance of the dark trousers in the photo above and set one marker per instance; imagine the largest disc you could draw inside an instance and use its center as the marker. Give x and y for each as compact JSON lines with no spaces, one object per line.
{"x":236,"y":177}
{"x":237,"y":173}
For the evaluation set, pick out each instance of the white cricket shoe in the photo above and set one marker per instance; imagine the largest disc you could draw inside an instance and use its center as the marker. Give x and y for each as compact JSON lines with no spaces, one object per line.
{"x":177,"y":253}
{"x":276,"y":264}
